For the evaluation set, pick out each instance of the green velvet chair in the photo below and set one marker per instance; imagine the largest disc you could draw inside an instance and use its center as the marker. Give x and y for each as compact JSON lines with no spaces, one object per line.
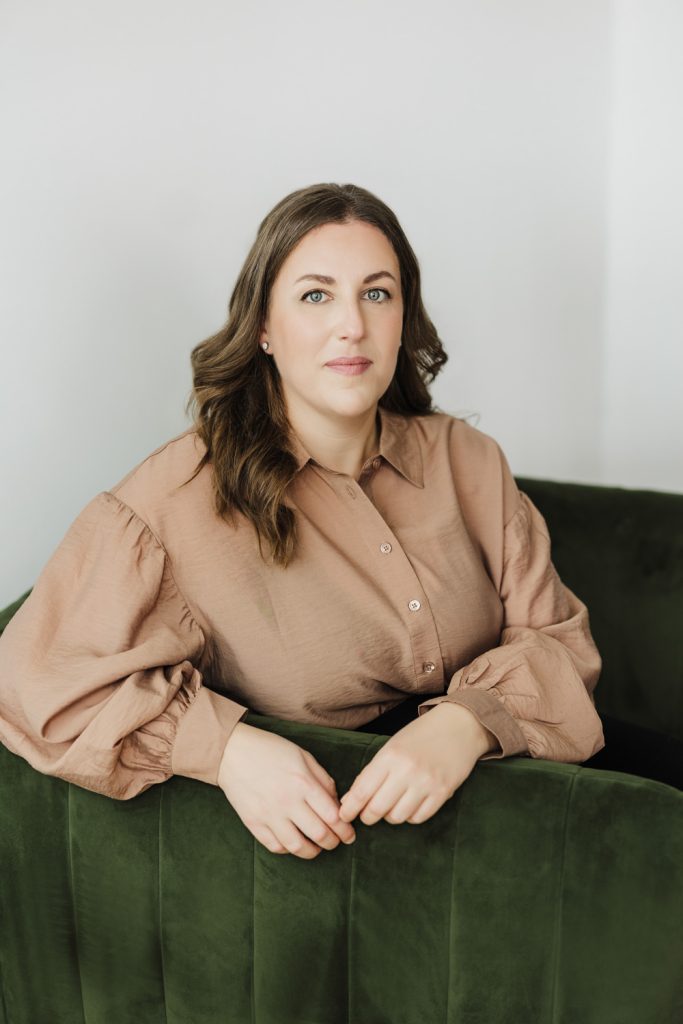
{"x":540,"y":893}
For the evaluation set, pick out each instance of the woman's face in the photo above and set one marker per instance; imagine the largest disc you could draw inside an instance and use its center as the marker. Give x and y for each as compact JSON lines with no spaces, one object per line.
{"x":311,"y":321}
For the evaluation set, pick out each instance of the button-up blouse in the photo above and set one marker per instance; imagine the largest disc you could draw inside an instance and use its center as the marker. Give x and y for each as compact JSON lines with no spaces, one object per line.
{"x":155,"y":625}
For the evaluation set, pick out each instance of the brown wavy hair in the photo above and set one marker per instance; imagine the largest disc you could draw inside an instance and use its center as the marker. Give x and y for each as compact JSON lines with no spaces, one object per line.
{"x":236,"y":402}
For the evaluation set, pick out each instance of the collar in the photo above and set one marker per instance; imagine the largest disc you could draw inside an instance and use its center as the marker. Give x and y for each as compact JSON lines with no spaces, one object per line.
{"x":398,"y":444}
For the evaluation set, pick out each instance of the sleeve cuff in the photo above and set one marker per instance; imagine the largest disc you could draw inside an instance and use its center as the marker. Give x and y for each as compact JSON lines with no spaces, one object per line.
{"x":202,"y":734}
{"x":492,"y":715}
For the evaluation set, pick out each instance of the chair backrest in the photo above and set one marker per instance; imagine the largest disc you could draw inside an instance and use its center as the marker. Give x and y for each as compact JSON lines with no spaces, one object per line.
{"x":540,"y":891}
{"x":621,"y":551}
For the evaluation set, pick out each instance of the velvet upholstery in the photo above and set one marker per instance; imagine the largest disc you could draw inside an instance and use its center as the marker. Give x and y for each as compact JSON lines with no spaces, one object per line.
{"x":621,"y":550}
{"x":540,"y":892}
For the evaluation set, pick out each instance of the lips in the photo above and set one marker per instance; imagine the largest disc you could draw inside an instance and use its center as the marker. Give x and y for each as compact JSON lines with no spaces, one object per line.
{"x":355,"y":361}
{"x":353,"y":367}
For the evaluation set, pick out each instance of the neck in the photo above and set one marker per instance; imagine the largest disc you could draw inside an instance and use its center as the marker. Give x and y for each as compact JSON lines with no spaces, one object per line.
{"x":341,"y":446}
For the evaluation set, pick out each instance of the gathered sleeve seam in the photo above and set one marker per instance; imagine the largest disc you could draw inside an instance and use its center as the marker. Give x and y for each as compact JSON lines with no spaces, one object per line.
{"x":167,"y":557}
{"x":520,"y":508}
{"x":524,"y":509}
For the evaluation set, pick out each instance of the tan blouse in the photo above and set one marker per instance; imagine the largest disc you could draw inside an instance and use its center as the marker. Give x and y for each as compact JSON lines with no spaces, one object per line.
{"x":429,"y":574}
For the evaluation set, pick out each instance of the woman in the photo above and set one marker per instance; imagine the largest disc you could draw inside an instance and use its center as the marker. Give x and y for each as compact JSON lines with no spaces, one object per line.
{"x":402,"y":563}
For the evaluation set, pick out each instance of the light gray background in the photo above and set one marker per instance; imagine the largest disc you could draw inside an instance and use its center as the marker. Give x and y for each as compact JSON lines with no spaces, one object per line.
{"x":531,"y":149}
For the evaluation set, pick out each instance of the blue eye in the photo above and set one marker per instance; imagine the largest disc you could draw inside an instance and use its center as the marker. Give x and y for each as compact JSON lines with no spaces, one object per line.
{"x":317,"y":291}
{"x":380,"y":290}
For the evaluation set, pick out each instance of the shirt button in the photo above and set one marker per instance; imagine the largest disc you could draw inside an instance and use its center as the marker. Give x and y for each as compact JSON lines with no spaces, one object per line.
{"x":350,"y":490}
{"x":385,"y":548}
{"x":428,"y":666}
{"x":414,"y":605}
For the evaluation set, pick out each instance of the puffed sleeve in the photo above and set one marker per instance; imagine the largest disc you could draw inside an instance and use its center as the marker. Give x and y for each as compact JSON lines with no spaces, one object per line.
{"x":99,"y":683}
{"x":534,"y":691}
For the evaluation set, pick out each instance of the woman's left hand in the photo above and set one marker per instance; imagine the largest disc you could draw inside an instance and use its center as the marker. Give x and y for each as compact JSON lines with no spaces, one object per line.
{"x":419,"y":767}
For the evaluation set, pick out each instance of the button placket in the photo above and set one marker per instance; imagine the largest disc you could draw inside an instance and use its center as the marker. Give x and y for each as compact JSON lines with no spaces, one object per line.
{"x":400,"y":576}
{"x":396,"y":576}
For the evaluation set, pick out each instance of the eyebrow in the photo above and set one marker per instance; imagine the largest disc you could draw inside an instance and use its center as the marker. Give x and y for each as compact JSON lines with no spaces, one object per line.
{"x":324,"y":279}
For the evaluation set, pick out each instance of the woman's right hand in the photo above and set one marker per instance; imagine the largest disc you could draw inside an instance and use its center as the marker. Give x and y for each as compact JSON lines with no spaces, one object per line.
{"x":281,"y":793}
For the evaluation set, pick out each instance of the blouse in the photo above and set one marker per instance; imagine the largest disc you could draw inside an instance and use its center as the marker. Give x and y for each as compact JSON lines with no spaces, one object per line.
{"x":155,"y":625}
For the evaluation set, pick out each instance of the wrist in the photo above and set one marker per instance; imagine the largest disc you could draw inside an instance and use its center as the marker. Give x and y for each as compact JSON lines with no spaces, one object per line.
{"x":482,"y":740}
{"x":236,"y":732}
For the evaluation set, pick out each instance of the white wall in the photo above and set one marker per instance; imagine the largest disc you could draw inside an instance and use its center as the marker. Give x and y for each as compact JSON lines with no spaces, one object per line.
{"x":643,"y":339}
{"x":517,"y":143}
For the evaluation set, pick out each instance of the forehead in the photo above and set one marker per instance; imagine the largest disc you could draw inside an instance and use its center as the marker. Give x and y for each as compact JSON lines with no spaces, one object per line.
{"x":353,"y":249}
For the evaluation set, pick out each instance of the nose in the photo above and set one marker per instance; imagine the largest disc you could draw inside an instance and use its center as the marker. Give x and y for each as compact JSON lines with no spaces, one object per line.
{"x":351,"y":324}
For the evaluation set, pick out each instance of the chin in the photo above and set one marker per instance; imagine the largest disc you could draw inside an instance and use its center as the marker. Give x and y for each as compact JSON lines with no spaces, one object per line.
{"x":360,"y":406}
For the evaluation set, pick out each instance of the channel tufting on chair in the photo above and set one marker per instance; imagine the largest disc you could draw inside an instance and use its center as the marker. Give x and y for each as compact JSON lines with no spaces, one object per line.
{"x":540,"y":893}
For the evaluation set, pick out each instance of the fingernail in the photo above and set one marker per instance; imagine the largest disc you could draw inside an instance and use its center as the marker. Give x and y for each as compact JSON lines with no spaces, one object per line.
{"x":351,"y":839}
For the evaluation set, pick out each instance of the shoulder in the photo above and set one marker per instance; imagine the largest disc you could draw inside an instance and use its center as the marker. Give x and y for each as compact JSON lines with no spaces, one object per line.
{"x":475,"y":458}
{"x":163,"y":477}
{"x":465,"y":441}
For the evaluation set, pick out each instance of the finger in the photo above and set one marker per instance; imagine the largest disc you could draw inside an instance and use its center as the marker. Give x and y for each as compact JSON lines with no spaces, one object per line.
{"x":294,"y":840}
{"x":386,"y":797}
{"x":326,"y":808}
{"x":364,"y":787}
{"x":408,"y":806}
{"x":324,"y":777}
{"x":315,"y":827}
{"x":268,"y":839}
{"x":429,"y":806}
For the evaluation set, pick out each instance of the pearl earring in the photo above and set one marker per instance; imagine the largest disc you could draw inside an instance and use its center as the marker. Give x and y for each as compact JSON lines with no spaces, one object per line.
{"x":264,"y":345}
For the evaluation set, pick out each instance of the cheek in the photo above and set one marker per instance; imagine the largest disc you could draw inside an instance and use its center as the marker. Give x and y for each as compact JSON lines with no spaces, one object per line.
{"x":301,"y":354}
{"x":306,"y":337}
